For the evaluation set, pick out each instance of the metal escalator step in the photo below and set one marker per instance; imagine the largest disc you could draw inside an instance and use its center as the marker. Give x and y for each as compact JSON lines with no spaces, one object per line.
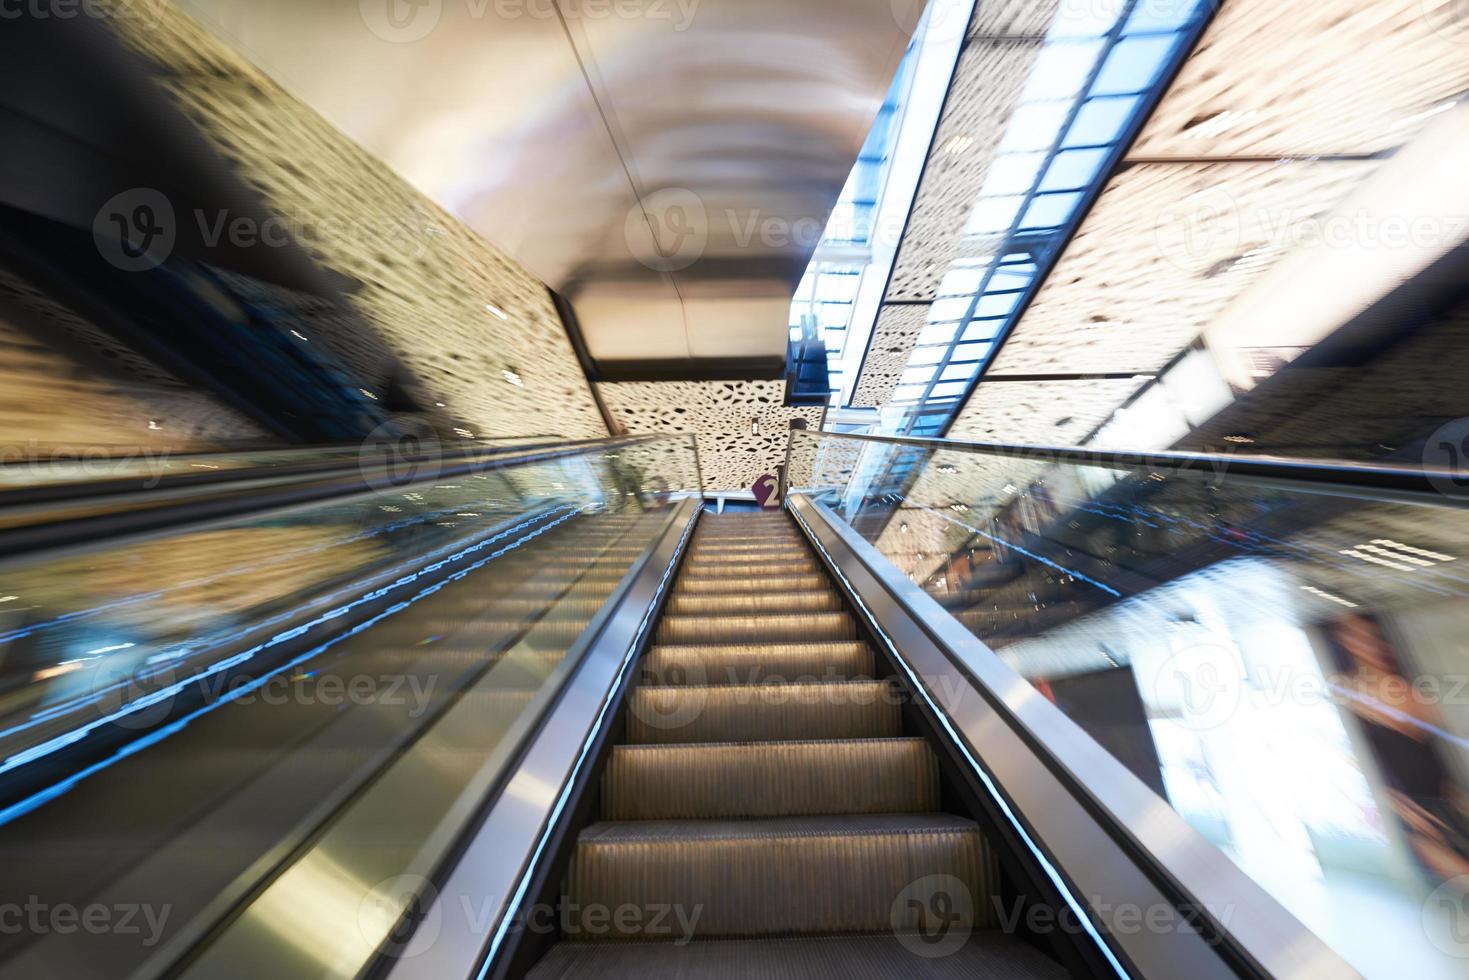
{"x":770,"y":779}
{"x":986,"y":956}
{"x":744,"y":604}
{"x":729,"y":584}
{"x":758,"y":663}
{"x":754,"y":569}
{"x":740,"y":534}
{"x":756,"y":559}
{"x":763,"y":712}
{"x":755,"y":629}
{"x":783,"y":876}
{"x":773,"y":539}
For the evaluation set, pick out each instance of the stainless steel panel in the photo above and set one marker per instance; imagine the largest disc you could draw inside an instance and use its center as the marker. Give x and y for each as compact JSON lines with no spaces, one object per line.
{"x":666,"y":164}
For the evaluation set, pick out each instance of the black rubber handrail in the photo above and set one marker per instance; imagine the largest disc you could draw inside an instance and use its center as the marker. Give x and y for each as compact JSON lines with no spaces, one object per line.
{"x":1344,"y":474}
{"x":229,"y":503}
{"x":367,"y":457}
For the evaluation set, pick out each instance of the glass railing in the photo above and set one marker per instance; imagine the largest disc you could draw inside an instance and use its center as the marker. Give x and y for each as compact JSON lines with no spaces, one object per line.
{"x":315,"y":699}
{"x":1277,"y":656}
{"x":42,"y":467}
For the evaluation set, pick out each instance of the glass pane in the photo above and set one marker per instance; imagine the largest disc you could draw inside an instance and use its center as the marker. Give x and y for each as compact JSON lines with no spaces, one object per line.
{"x":1101,"y":121}
{"x":223,"y":691}
{"x":1061,"y":70}
{"x":1050,"y":211}
{"x":1134,"y":65}
{"x":1162,"y":15}
{"x":1285,"y":667}
{"x":1073,"y":169}
{"x":993,"y":215}
{"x":1035,"y":126}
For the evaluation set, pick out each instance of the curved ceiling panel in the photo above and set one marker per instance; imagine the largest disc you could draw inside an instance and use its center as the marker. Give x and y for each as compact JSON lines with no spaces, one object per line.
{"x":667,"y":165}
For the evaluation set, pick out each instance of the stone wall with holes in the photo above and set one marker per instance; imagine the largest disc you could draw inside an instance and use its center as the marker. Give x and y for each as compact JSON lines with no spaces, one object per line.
{"x":426,"y":279}
{"x":721,"y":414}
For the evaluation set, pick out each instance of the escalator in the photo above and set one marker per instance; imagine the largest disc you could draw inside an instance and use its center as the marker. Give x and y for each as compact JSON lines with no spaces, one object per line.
{"x":867,"y":735}
{"x":766,"y":791}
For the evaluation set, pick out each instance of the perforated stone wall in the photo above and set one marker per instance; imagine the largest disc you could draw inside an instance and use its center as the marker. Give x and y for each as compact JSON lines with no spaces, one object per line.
{"x":721,"y":414}
{"x":426,"y":278}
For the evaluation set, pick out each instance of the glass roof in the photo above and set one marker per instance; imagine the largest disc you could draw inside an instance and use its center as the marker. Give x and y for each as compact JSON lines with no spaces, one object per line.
{"x":1103,"y":66}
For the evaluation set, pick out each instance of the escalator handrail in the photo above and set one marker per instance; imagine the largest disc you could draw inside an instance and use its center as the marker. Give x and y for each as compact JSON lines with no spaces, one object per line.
{"x":232,"y":503}
{"x":1425,"y":482}
{"x":1255,"y":936}
{"x":73,"y":491}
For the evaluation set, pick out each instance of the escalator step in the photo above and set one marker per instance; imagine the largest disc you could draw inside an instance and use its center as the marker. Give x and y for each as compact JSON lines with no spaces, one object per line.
{"x":770,"y":779}
{"x":728,"y":584}
{"x":780,"y":603}
{"x":758,"y":663}
{"x":763,"y":712}
{"x":986,"y":956}
{"x":674,"y":629}
{"x":751,"y":569}
{"x":715,"y":546}
{"x":746,"y":534}
{"x":785,"y":876}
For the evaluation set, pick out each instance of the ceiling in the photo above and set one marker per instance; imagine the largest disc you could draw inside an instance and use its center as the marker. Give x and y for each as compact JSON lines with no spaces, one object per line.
{"x":666,"y":165}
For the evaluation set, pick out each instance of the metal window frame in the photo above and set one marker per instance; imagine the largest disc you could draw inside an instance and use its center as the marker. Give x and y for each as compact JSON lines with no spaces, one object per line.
{"x":1044,"y":245}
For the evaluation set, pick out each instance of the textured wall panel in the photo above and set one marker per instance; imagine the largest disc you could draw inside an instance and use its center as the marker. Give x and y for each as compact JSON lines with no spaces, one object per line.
{"x":720,"y":414}
{"x":1341,"y":77}
{"x":426,"y":278}
{"x":1045,"y":413}
{"x":893,"y":337}
{"x":1012,"y":17}
{"x":1163,"y":252}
